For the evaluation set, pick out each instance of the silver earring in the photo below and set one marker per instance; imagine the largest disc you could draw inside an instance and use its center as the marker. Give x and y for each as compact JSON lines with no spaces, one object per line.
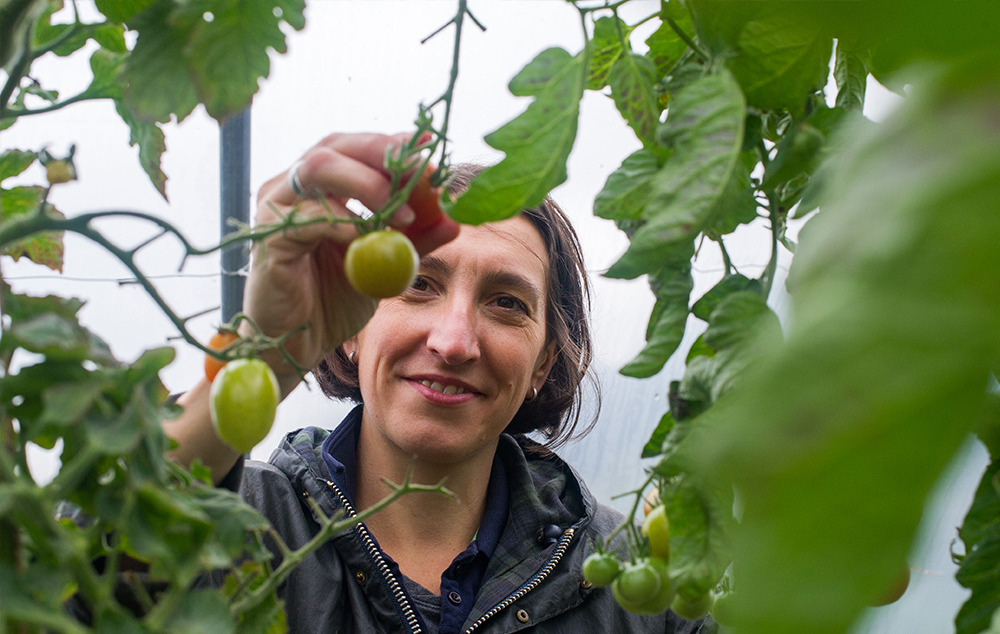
{"x":350,"y":357}
{"x":534,"y":394}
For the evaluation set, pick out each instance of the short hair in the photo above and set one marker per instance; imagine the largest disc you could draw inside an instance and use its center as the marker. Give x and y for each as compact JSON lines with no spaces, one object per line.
{"x":555,"y":411}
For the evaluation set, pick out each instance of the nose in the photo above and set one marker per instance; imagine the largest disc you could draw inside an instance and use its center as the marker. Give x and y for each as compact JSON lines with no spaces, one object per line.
{"x":452,"y":335}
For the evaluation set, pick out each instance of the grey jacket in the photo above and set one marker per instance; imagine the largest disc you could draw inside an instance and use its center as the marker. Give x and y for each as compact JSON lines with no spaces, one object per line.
{"x":533,"y":583}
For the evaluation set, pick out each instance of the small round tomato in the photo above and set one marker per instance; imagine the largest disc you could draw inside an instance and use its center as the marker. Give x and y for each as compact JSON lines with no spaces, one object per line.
{"x":600,"y":569}
{"x":58,"y":172}
{"x":219,"y":341}
{"x":656,"y":528}
{"x":243,"y":401}
{"x":381,"y":264}
{"x":424,"y":200}
{"x":644,"y":587}
{"x":692,"y":609}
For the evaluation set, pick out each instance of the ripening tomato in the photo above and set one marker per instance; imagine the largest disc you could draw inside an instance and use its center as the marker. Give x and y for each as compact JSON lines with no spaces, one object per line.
{"x":600,"y":569}
{"x":656,"y":528}
{"x":59,"y":172}
{"x":424,"y":201}
{"x":219,"y":341}
{"x":243,"y":401}
{"x":898,"y":588}
{"x":381,"y":264}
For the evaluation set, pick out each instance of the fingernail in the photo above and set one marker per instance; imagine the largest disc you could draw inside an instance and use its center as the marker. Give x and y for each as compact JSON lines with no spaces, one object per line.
{"x":403,"y":217}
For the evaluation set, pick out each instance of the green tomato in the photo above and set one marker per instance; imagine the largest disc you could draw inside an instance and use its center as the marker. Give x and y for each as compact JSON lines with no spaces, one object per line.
{"x":692,"y":610}
{"x":656,"y":528}
{"x":600,"y":569}
{"x":644,"y":587}
{"x":242,"y":403}
{"x":381,"y":264}
{"x":722,"y":609}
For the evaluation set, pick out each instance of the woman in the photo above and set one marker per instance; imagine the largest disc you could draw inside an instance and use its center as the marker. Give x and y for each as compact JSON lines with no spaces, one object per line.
{"x":492,"y":337}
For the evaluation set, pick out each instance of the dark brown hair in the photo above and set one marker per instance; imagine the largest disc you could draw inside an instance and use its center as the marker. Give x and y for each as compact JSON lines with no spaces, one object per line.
{"x":555,"y":412}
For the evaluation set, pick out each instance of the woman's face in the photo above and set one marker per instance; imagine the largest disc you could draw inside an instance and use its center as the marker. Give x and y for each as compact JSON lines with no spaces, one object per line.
{"x":445,"y":366}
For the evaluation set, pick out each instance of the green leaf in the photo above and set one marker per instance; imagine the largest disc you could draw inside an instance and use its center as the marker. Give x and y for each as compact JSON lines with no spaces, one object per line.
{"x":229,"y":55}
{"x":607,"y":48}
{"x":719,"y":24}
{"x":121,"y":11}
{"x":45,"y":248}
{"x":158,"y":83}
{"x":835,"y":441}
{"x":13,"y":162}
{"x":537,"y":143}
{"x":980,"y":533}
{"x":665,"y":45}
{"x":708,"y":302}
{"x":797,"y":154}
{"x":705,"y":128}
{"x":741,"y":328}
{"x":148,"y":135}
{"x":781,"y":60}
{"x":628,"y":188}
{"x":852,"y":80}
{"x":105,"y":65}
{"x":654,"y":446}
{"x":672,"y":289}
{"x":737,"y":204}
{"x":701,"y":524}
{"x":631,"y":80}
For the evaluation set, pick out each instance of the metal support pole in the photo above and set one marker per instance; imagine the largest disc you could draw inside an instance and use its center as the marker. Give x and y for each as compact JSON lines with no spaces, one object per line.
{"x":234,"y":172}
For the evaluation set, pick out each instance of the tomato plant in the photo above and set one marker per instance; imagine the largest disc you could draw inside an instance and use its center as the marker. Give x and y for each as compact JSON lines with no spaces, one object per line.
{"x":692,"y":609}
{"x":381,"y":264}
{"x":600,"y":569}
{"x":219,"y":341}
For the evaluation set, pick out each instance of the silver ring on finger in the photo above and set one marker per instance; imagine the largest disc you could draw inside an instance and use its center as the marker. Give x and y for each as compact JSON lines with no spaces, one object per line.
{"x":294,"y":182}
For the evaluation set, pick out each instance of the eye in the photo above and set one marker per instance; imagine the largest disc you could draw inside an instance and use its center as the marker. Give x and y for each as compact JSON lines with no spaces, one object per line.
{"x":419,"y":284}
{"x":511,"y":303}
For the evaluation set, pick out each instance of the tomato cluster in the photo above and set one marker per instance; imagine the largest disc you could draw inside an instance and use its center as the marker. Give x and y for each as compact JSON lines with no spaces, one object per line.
{"x":643,"y":585}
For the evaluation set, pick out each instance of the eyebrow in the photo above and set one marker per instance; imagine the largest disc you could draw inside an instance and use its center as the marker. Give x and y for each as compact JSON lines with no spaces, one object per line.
{"x":504,"y":279}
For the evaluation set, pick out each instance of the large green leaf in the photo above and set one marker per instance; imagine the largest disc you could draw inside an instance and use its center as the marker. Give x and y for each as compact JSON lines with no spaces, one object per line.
{"x":229,"y":55}
{"x":836,"y":441}
{"x":780,"y":60}
{"x":705,"y":128}
{"x":701,"y":525}
{"x":537,"y":143}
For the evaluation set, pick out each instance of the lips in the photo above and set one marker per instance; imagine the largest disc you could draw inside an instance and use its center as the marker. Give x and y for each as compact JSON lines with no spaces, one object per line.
{"x":444,"y":385}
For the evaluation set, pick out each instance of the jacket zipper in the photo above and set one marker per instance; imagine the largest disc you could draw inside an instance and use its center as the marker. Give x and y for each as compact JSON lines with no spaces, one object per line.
{"x":376,"y":555}
{"x":532,"y":583}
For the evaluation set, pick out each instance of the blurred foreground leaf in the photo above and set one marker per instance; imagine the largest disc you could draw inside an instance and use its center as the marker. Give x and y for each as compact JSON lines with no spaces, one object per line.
{"x":836,"y":440}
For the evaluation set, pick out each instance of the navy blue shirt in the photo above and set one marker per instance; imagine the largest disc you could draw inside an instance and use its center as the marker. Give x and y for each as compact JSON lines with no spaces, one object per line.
{"x":461,"y":581}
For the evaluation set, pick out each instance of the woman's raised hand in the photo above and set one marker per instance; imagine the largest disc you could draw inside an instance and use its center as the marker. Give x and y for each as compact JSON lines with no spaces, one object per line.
{"x":297,"y":276}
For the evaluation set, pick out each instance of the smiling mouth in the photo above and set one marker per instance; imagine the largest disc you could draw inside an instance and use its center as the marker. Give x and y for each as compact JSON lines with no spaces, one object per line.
{"x":443,"y":389}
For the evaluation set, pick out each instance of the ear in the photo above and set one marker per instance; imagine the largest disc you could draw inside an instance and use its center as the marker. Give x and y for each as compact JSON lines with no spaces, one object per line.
{"x":544,"y":365}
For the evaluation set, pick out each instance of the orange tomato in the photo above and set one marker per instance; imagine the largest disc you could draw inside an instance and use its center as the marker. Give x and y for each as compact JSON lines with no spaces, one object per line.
{"x":219,"y":340}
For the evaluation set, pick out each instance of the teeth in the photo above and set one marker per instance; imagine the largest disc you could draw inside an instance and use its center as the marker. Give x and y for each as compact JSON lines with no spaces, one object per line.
{"x":438,"y":387}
